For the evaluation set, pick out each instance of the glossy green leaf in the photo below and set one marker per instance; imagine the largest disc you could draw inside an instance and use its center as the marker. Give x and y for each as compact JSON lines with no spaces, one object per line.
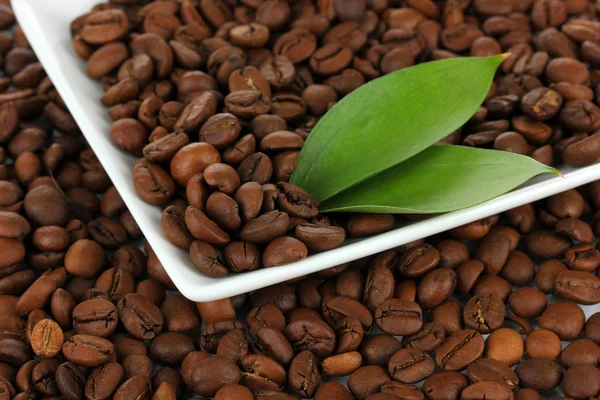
{"x":439,"y":179}
{"x":390,"y":120}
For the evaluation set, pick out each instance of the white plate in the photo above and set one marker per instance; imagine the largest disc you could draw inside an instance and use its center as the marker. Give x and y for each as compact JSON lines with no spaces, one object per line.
{"x":46,"y":24}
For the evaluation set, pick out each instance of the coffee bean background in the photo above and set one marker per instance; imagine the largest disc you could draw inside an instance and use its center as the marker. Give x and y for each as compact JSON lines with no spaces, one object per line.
{"x":216,"y":98}
{"x":499,"y":308}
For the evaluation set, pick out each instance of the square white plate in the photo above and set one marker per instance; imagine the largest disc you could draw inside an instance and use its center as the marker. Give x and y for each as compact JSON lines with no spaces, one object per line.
{"x":46,"y":24}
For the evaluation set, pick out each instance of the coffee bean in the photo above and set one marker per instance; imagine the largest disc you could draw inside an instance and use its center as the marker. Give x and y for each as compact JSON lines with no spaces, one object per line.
{"x":527,"y":302}
{"x":284,"y":250}
{"x":265,"y":228}
{"x":564,"y":318}
{"x":12,"y":252}
{"x":339,"y":307}
{"x":490,"y":370}
{"x":170,"y":348}
{"x":304,"y":376}
{"x":543,"y":344}
{"x":427,"y":339}
{"x":342,"y":364}
{"x":43,"y":377}
{"x":410,"y":365}
{"x":418,"y":261}
{"x":87,"y":350}
{"x":580,"y":373}
{"x":582,"y":351}
{"x":484,"y":313}
{"x":378,"y":349}
{"x":360,"y":225}
{"x":224,"y":210}
{"x":180,"y":315}
{"x":398,"y":317}
{"x":95,"y":317}
{"x":13,"y":225}
{"x":459,"y":350}
{"x":104,"y":381}
{"x":137,"y":364}
{"x":36,"y":296}
{"x":201,"y":227}
{"x":233,"y":391}
{"x":444,"y":385}
{"x":519,"y":269}
{"x":479,"y":389}
{"x":449,"y":315}
{"x":272,"y":343}
{"x":152,"y":183}
{"x":46,"y":338}
{"x":539,"y":374}
{"x":212,"y":373}
{"x":137,"y":387}
{"x":70,"y":380}
{"x":311,"y":334}
{"x":435,"y":287}
{"x":140,"y":318}
{"x":233,"y":346}
{"x":214,"y":332}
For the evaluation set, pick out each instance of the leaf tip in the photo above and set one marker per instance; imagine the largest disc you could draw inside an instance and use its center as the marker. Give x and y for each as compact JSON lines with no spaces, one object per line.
{"x":550,"y":170}
{"x":505,"y":55}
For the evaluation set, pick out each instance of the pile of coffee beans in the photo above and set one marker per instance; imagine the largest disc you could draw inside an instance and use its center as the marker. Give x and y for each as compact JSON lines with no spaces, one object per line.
{"x":218,"y":96}
{"x":496,"y":309}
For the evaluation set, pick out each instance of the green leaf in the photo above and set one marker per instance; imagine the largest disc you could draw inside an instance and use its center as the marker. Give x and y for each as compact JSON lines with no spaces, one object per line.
{"x":390,"y":120}
{"x":439,"y":179}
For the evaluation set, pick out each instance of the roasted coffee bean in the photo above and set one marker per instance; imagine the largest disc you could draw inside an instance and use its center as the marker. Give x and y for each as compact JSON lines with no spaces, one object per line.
{"x":312,"y":334}
{"x":519,"y":269}
{"x":211,"y":374}
{"x":449,"y":315}
{"x":527,"y":302}
{"x":95,"y":317}
{"x":304,"y":376}
{"x":410,"y":365}
{"x":419,"y":260}
{"x":427,"y":339}
{"x":137,"y":364}
{"x":544,"y":344}
{"x":490,"y":370}
{"x":272,"y":343}
{"x":70,"y":380}
{"x":104,"y":381}
{"x":435,"y":287}
{"x":583,"y":351}
{"x":564,"y":318}
{"x":484,"y":313}
{"x":104,"y":26}
{"x":399,"y":317}
{"x":214,"y":332}
{"x":539,"y":374}
{"x":487,"y":388}
{"x":444,"y":385}
{"x":339,"y":307}
{"x":262,"y":373}
{"x":47,"y":338}
{"x":459,"y":350}
{"x":43,"y":377}
{"x":342,"y":364}
{"x":140,"y":317}
{"x":86,"y":350}
{"x":170,"y":348}
{"x":378,"y":349}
